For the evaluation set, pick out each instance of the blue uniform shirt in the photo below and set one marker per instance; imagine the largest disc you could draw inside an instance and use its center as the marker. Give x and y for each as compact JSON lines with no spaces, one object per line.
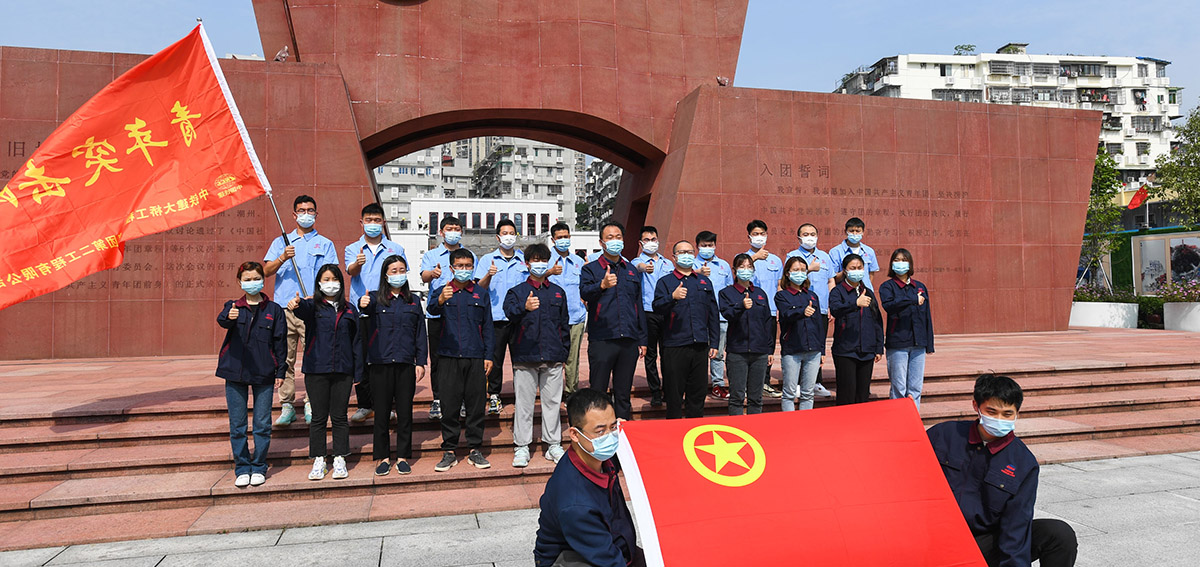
{"x":569,"y":280}
{"x":662,"y":266}
{"x":312,"y":252}
{"x":509,"y":273}
{"x":439,"y":257}
{"x":720,"y":274}
{"x":818,"y":280}
{"x":839,"y":252}
{"x":368,"y":278}
{"x":766,"y":276}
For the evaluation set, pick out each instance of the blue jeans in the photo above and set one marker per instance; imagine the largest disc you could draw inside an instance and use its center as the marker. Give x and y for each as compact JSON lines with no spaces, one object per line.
{"x":800,"y":369}
{"x":236,"y":398}
{"x":906,"y":369}
{"x":716,"y":366}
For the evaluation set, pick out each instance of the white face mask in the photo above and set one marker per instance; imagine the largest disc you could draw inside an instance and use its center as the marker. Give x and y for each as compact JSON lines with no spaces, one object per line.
{"x":808,"y":242}
{"x":507,"y":241}
{"x":650,"y":247}
{"x":758,"y":241}
{"x":330,"y":288}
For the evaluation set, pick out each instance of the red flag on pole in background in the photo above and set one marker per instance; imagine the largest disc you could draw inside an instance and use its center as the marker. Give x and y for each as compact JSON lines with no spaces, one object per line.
{"x":854,"y":485}
{"x":1139,"y":198}
{"x":161,"y":146}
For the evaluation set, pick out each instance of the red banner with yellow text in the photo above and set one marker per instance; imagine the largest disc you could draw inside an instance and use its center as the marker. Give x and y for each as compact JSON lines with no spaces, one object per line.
{"x":855,"y":485}
{"x":161,"y":146}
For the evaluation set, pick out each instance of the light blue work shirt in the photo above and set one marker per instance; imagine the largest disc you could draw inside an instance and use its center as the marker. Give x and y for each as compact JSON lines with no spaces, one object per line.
{"x":839,"y":252}
{"x":509,"y":273}
{"x":312,"y":252}
{"x":819,"y":279}
{"x":720,"y":274}
{"x":662,"y":267}
{"x":766,"y":276}
{"x":593,"y":257}
{"x":368,"y":278}
{"x":439,"y":257}
{"x":569,"y":280}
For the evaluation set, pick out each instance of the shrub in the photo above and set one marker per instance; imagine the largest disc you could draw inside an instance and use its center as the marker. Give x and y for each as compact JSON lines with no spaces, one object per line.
{"x":1098,"y":293}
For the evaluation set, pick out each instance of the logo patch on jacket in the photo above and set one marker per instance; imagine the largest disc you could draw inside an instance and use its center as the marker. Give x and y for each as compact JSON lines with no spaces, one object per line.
{"x":475,"y":295}
{"x":557,"y":295}
{"x":1010,"y":471}
{"x":269,"y":317}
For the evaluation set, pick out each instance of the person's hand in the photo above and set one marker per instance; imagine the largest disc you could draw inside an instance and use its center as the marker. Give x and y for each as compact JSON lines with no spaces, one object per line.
{"x":288,"y":253}
{"x":808,"y":311}
{"x":278,"y":383}
{"x":762,"y":254}
{"x":295,"y":302}
{"x":366,"y":300}
{"x":648,"y":267}
{"x":437,"y":272}
{"x":487,"y":367}
{"x":680,"y":293}
{"x":641,"y":352}
{"x":864,"y":300}
{"x":707,"y":271}
{"x":770,"y":362}
{"x":815,"y":266}
{"x":233,"y":313}
{"x":447,"y":293}
{"x":360,"y":259}
{"x":921,"y":297}
{"x":420,"y":373}
{"x":493,"y":269}
{"x":712,"y":353}
{"x":878,"y":357}
{"x":532,"y":302}
{"x":829,"y":318}
{"x":556,"y":270}
{"x":747,"y":302}
{"x":610,"y":279}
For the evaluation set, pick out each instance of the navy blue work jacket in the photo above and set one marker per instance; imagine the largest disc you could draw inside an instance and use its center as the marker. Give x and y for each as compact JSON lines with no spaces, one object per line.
{"x":857,"y":331}
{"x":541,"y":335}
{"x":467,"y":328}
{"x":616,"y":312}
{"x":908,"y":323}
{"x":585,"y":511}
{"x":255,"y":346}
{"x":395,"y":332}
{"x":693,"y":319}
{"x":332,"y":339}
{"x":749,"y":330}
{"x":797,"y":332}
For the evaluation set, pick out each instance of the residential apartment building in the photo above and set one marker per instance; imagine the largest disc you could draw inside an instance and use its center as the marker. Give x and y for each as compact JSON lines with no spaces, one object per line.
{"x":517,"y":168}
{"x":599,"y":194}
{"x":430,"y":173}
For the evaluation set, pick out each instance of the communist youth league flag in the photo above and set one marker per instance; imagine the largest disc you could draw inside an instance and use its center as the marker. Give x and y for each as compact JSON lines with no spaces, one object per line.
{"x":161,"y":146}
{"x":851,"y":486}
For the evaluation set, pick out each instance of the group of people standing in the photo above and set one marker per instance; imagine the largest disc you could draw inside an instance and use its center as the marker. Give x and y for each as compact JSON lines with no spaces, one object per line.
{"x":714,"y":325}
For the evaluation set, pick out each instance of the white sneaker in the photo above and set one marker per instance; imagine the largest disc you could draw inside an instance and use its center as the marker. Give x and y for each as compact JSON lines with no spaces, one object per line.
{"x":521,"y":457}
{"x":318,"y":470}
{"x":339,"y":468}
{"x":393,"y":416}
{"x":242,"y":481}
{"x":361,"y":415}
{"x":257,"y":479}
{"x":307,"y":411}
{"x":554,"y":453}
{"x":822,"y":391}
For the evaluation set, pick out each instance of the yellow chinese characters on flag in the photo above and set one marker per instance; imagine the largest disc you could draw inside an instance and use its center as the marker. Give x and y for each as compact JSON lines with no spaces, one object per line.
{"x":161,"y":146}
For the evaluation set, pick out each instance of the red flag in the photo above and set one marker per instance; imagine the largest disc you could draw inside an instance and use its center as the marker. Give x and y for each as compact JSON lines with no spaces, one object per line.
{"x":856,"y":485}
{"x":161,"y":146}
{"x":1139,"y":198}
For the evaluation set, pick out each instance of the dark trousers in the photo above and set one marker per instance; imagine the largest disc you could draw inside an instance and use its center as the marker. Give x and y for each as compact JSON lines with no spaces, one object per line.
{"x":615,"y":360}
{"x":824,"y":333}
{"x":685,"y":380}
{"x":495,"y":378}
{"x":463,"y":382}
{"x":330,"y":397}
{"x":433,"y":329}
{"x":362,"y":395}
{"x":654,"y":324}
{"x":746,"y":374}
{"x":394,"y":386}
{"x":773,"y":331}
{"x":1053,"y":542}
{"x":853,"y":379}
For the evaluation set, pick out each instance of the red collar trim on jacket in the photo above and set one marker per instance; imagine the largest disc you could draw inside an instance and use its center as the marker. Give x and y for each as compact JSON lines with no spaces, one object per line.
{"x":974,"y":438}
{"x":534,"y":283}
{"x":740,"y":289}
{"x":599,"y":479}
{"x":241,"y":301}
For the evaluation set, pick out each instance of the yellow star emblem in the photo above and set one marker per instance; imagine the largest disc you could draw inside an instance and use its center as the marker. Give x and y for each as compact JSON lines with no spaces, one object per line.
{"x":725,"y":451}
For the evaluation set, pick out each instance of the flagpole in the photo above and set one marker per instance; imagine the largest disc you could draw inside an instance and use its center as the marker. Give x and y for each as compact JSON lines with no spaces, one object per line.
{"x":286,"y":243}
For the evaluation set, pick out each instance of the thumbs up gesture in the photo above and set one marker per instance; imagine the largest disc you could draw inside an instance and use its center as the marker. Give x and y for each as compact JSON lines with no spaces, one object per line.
{"x":808,"y":311}
{"x":610,"y":279}
{"x":707,"y":271}
{"x":366,"y":300}
{"x":762,"y":254}
{"x":864,"y":300}
{"x":360,"y":259}
{"x":680,"y":293}
{"x":492,"y":270}
{"x":233,"y":313}
{"x":921,"y":297}
{"x":532,"y":302}
{"x":295,"y":302}
{"x":437,"y":271}
{"x":747,"y":302}
{"x":447,"y":292}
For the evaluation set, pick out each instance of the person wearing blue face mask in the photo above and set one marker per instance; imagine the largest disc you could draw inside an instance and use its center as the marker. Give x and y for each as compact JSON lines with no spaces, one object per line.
{"x":909,"y":334}
{"x":565,"y":269}
{"x":537,"y":309}
{"x":691,"y":333}
{"x":721,"y":275}
{"x":994,"y":478}
{"x":436,"y":272}
{"x":653,"y":266}
{"x":584,"y":520}
{"x":857,"y":333}
{"x":364,"y":260}
{"x":748,"y":343}
{"x":250,"y":361}
{"x":802,"y":334}
{"x":853,"y":244}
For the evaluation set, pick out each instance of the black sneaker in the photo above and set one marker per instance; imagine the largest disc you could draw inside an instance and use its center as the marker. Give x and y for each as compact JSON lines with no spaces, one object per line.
{"x":448,"y":460}
{"x":382,"y":468}
{"x":656,"y":400}
{"x":403,"y":468}
{"x":476,"y":458}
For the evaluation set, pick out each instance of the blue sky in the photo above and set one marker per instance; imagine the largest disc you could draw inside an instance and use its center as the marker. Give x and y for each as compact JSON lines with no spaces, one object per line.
{"x":787,"y":44}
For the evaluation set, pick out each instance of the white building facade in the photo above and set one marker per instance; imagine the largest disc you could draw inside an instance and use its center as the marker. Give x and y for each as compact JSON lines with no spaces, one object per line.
{"x":518,"y":169}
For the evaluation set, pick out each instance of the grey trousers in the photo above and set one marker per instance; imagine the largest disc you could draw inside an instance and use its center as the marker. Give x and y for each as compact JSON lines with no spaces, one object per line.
{"x":529,"y":380}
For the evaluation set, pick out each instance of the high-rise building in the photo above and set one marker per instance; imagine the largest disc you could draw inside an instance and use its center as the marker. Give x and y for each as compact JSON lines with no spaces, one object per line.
{"x":517,"y":168}
{"x":432,"y":173}
{"x":599,"y":193}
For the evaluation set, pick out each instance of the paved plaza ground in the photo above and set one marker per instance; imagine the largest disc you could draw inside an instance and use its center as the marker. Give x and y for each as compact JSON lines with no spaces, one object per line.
{"x":1129,"y":512}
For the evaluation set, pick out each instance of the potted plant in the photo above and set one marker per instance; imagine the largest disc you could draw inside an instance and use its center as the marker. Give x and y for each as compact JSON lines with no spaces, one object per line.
{"x":1097,"y":306}
{"x":1181,"y":305}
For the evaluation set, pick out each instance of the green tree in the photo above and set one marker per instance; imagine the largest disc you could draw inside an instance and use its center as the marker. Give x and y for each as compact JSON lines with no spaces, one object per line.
{"x":964,"y":49}
{"x":582,"y":222}
{"x":1178,"y":175}
{"x":1103,"y":214}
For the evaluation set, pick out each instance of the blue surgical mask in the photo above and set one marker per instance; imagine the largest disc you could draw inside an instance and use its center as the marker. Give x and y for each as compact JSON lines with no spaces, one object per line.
{"x":562,"y":244}
{"x":539,"y":268}
{"x":452,"y":237}
{"x":686,"y":260}
{"x":997,"y":427}
{"x":373,"y":229}
{"x":397,"y":280}
{"x":798,"y":277}
{"x":855,"y":276}
{"x":604,"y":446}
{"x":306,"y":220}
{"x":463,"y":276}
{"x":252,"y":287}
{"x":744,"y":274}
{"x":614,"y":247}
{"x":707,"y":252}
{"x":854,"y":237}
{"x":900,"y":267}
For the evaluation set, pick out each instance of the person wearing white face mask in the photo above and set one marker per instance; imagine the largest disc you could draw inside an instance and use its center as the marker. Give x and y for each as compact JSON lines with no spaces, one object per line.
{"x":821,"y":269}
{"x":652,"y":266}
{"x":994,"y":478}
{"x":436,"y":271}
{"x":909,"y":335}
{"x":500,"y":271}
{"x":768,"y":268}
{"x":584,"y":520}
{"x":310,"y":251}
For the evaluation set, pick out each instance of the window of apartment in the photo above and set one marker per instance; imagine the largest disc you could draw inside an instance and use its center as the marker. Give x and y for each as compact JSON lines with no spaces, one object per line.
{"x":462,"y":217}
{"x":532,"y":226}
{"x":1000,"y":67}
{"x":1143,"y":70}
{"x":1160,"y":70}
{"x":517,"y":221}
{"x":1044,"y":94}
{"x":1023,"y":69}
{"x":1110,"y":71}
{"x":476,"y":220}
{"x":1044,"y":69}
{"x":545,"y":222}
{"x":1147,"y":123}
{"x":1022,"y":95}
{"x":433,"y":223}
{"x":491,"y":221}
{"x":395,"y":191}
{"x":1143,"y":148}
{"x":1172,"y":97}
{"x":945,"y":69}
{"x":554,"y":190}
{"x":1115,"y":149}
{"x":1066,"y":96}
{"x":1093,"y":95}
{"x":999,"y":94}
{"x":1111,"y":122}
